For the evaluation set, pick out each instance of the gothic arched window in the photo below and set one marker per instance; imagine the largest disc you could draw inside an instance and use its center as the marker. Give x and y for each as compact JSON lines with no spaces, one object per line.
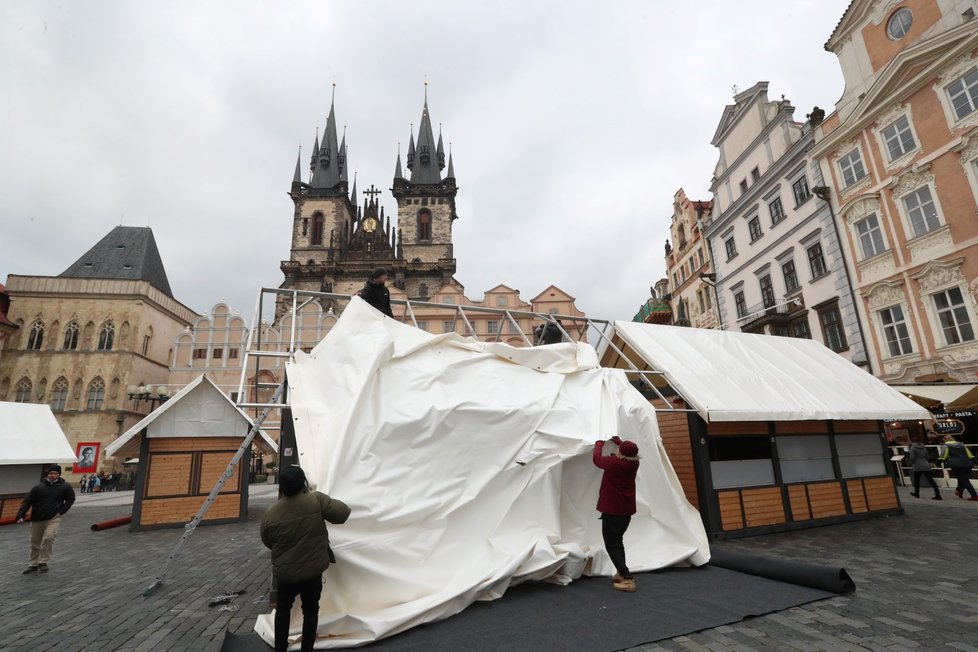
{"x":71,"y":336}
{"x":23,"y":394}
{"x":36,"y":336}
{"x":59,"y":394}
{"x":106,"y":335}
{"x":96,"y":394}
{"x":317,"y":229}
{"x":424,"y":225}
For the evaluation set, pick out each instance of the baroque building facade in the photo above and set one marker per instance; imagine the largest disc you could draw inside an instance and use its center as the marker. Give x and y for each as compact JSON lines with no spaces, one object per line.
{"x":86,"y":336}
{"x":689,"y":265}
{"x":779,"y":267}
{"x":901,"y":155}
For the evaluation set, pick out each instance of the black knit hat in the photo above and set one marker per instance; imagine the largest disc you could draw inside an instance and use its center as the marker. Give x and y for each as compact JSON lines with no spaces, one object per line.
{"x":55,"y":467}
{"x":377,"y":273}
{"x":292,"y":480}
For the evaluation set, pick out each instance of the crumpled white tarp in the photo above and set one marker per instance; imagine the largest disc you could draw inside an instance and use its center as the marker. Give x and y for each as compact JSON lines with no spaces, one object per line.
{"x":733,"y":376}
{"x":468,"y":469}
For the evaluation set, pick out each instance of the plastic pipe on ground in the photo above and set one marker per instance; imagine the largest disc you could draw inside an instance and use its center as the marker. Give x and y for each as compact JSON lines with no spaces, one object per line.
{"x":116,"y":522}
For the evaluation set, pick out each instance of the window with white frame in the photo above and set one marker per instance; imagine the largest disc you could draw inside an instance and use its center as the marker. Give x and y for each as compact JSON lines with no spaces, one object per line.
{"x":767,"y":291}
{"x":23,"y":394}
{"x":96,"y":394}
{"x":895,"y":331}
{"x":801,"y":191}
{"x":899,"y":138}
{"x":953,"y":316}
{"x":963,"y":94}
{"x":870,"y":236}
{"x":851,"y":167}
{"x":921,"y":211}
{"x":776,"y":209}
{"x":492,"y":326}
{"x":816,"y":260}
{"x":448,"y":326}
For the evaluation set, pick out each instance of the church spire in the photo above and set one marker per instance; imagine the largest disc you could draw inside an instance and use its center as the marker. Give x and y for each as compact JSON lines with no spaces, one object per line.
{"x":441,"y":150}
{"x":328,"y":170}
{"x":397,"y":170}
{"x":451,"y":165}
{"x":425,"y":169}
{"x":297,"y":177}
{"x":315,"y":155}
{"x":342,"y":157}
{"x":353,"y":194}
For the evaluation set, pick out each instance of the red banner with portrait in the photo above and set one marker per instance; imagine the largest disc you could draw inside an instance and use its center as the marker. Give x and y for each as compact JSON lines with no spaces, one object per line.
{"x":86,"y":454}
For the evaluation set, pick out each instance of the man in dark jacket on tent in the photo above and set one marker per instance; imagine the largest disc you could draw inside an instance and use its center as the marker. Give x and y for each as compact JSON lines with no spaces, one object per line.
{"x":375,"y":291}
{"x":295,"y":531}
{"x":48,"y":500}
{"x":616,"y":502}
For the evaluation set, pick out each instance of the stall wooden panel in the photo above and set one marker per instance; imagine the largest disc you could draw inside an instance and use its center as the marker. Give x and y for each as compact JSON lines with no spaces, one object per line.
{"x":183,"y":444}
{"x":880,"y":493}
{"x":798,"y":498}
{"x":9,"y":506}
{"x":763,"y":506}
{"x":731,"y":517}
{"x":857,"y":496}
{"x":800,"y":427}
{"x":826,"y":499}
{"x":738,"y":428}
{"x":212,"y":465}
{"x":169,"y":474}
{"x":181,"y":510}
{"x":674,"y":429}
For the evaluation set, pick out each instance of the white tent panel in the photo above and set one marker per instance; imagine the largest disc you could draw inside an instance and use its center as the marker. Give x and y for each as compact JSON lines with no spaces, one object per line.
{"x":468,"y":469}
{"x":31,"y":435}
{"x":733,"y":376}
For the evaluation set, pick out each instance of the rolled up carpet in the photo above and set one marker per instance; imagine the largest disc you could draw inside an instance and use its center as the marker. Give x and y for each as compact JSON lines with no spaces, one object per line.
{"x":116,"y":522}
{"x":826,"y":578}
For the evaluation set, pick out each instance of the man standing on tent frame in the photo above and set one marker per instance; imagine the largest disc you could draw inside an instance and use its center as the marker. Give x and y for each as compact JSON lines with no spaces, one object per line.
{"x":616,"y":502}
{"x":375,"y":291}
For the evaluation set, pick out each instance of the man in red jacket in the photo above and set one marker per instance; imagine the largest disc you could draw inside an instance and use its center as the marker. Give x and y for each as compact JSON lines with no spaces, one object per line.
{"x":616,"y":502}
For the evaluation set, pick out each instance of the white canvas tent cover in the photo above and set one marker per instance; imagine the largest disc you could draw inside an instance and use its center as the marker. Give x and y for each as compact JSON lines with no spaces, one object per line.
{"x":468,"y":469}
{"x":733,"y":376}
{"x":952,"y":395}
{"x":29,"y":434}
{"x":199,"y":409}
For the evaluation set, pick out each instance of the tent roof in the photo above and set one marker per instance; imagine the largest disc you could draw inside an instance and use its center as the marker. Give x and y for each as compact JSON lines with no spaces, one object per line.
{"x":263,"y":439}
{"x":733,"y":376}
{"x":31,"y":435}
{"x":953,"y":396}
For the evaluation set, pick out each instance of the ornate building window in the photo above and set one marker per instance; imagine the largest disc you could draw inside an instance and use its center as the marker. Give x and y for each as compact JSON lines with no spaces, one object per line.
{"x":851,"y":167}
{"x":776,"y":209}
{"x":96,"y":394}
{"x":317,"y":230}
{"x":767,"y":291}
{"x":741,"y":303}
{"x":730,"y":246}
{"x":963,"y":94}
{"x":424,"y":225}
{"x":71,"y":336}
{"x":899,"y":23}
{"x":106,"y":336}
{"x":870,"y":236}
{"x":59,"y":394}
{"x":24,"y":388}
{"x":35,"y":338}
{"x":790,"y":276}
{"x":895,"y":331}
{"x":921,"y":211}
{"x":754,"y":226}
{"x":953,"y":316}
{"x":899,"y":138}
{"x":801,"y":190}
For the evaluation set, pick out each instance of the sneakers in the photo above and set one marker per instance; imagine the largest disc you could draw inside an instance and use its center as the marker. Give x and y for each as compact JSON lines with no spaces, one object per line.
{"x":30,"y":569}
{"x":42,"y":567}
{"x":958,"y":494}
{"x":975,"y":498}
{"x":626,"y":585}
{"x":915,"y":494}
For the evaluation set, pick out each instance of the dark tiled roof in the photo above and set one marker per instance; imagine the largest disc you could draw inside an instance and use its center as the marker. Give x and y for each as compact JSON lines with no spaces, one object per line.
{"x":126,"y":253}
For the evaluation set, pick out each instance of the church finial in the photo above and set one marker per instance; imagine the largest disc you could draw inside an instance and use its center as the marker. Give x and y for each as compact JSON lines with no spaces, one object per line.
{"x":451,"y":164}
{"x":440,"y":150}
{"x":297,"y":177}
{"x":426,"y":90}
{"x":397,"y":169}
{"x":353,"y":193}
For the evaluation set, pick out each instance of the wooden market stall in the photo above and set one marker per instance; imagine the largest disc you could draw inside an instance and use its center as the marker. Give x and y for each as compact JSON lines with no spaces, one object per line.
{"x":183,"y":448}
{"x":780,"y":433}
{"x":30,"y":441}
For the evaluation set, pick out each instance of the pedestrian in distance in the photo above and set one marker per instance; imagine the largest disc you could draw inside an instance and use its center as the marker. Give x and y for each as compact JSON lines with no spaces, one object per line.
{"x":616,"y":502}
{"x":48,"y":501}
{"x":294,"y":529}
{"x":375,"y":291}
{"x":920,"y":465}
{"x":960,"y":460}
{"x":83,"y":483}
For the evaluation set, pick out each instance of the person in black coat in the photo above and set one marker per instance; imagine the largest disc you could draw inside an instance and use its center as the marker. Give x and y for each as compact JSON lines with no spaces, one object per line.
{"x":375,"y":291}
{"x":48,"y":501}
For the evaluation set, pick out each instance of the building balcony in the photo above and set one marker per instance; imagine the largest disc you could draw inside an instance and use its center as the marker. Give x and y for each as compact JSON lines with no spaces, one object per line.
{"x":766,"y":312}
{"x":655,"y":311}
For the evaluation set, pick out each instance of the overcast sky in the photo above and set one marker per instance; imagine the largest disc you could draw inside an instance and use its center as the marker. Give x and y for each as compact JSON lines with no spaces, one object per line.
{"x":572,"y":125}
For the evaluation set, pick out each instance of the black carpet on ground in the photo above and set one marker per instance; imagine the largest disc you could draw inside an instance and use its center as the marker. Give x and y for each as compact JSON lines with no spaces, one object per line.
{"x":588,"y":615}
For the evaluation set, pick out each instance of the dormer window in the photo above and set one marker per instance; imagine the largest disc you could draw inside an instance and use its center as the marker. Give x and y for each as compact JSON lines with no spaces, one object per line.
{"x":899,"y":24}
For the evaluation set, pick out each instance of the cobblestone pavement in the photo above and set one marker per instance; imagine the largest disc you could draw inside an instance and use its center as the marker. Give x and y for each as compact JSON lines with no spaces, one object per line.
{"x":916,"y":580}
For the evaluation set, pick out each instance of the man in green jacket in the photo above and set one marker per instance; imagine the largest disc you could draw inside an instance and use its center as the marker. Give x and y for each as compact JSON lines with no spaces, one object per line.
{"x":295,"y":531}
{"x":959,"y":458}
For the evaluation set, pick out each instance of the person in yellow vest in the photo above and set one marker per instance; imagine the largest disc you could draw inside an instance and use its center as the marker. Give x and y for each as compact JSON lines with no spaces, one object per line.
{"x":957,"y":456}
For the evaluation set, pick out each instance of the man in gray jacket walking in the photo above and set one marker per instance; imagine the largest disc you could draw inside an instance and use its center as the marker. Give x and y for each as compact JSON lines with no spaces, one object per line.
{"x":920,"y":466}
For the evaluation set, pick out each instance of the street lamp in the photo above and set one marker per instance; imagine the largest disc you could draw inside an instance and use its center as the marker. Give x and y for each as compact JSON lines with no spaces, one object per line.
{"x":150,"y":393}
